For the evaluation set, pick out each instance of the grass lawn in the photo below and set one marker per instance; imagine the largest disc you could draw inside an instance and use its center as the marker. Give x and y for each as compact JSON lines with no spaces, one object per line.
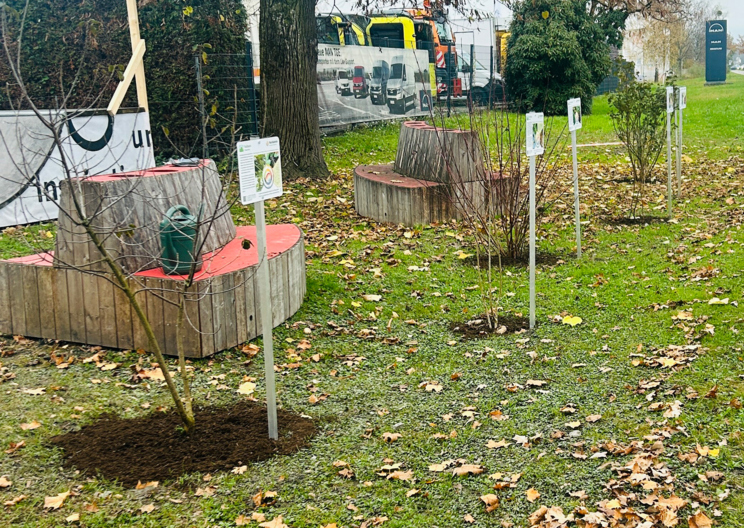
{"x":572,"y":404}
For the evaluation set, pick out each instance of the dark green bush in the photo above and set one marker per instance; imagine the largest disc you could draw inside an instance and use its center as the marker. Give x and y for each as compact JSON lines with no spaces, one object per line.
{"x":556,"y":51}
{"x":88,"y":40}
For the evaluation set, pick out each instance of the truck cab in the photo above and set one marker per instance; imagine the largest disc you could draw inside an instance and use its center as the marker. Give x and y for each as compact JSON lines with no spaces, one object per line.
{"x":340,"y":30}
{"x":343,"y":81}
{"x":401,"y":87}
{"x":379,"y":82}
{"x":359,"y":82}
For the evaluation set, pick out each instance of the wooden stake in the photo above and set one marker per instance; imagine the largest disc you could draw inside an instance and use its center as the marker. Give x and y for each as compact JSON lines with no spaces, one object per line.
{"x":532,"y":242}
{"x":576,"y":194}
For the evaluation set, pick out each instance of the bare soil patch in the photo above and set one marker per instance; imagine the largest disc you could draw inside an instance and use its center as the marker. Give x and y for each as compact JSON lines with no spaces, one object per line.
{"x":478,"y":326}
{"x":155,"y":447}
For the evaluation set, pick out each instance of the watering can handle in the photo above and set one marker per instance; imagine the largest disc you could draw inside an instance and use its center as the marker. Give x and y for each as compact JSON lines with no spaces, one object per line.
{"x":177,"y":209}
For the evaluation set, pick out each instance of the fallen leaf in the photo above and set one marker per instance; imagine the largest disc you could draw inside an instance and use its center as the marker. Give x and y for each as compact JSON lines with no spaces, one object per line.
{"x":468,"y":519}
{"x":34,"y":392}
{"x":491,"y":501}
{"x":391,"y":437}
{"x":14,"y":501}
{"x":277,"y":522}
{"x":152,"y":484}
{"x":242,"y":520}
{"x":467,"y":469}
{"x":372,"y":298}
{"x":572,"y":320}
{"x":497,"y":445}
{"x":532,"y":494}
{"x":5,"y":483}
{"x":412,"y":492}
{"x":74,"y":517}
{"x":239,"y":470}
{"x":699,"y":520}
{"x":400,"y":475}
{"x":716,"y":300}
{"x":147,"y":508}
{"x":247,"y":388}
{"x":593,"y":418}
{"x":56,"y":502}
{"x":30,"y":426}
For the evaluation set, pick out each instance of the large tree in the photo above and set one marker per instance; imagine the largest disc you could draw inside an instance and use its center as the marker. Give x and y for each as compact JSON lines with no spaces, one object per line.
{"x":289,"y":89}
{"x":556,"y":51}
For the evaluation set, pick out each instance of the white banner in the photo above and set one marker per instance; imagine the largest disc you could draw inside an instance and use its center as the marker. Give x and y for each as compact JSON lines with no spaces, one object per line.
{"x":92,"y":142}
{"x":367,"y":83}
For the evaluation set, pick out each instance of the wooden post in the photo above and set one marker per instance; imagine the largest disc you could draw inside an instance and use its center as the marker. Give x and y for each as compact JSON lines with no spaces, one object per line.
{"x":134,"y":35}
{"x":532,"y":241}
{"x":267,"y":323}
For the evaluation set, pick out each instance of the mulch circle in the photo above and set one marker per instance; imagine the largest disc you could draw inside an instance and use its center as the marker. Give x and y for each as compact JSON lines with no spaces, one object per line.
{"x":478,"y":326}
{"x":155,"y":447}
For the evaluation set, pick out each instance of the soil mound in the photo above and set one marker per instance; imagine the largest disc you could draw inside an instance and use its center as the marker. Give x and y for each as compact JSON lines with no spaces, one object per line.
{"x":155,"y":447}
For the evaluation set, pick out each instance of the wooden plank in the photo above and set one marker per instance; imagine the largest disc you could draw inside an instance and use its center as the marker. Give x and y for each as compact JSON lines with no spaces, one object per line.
{"x":123,"y":311}
{"x":155,"y":308}
{"x":230,"y":311}
{"x":219,"y":316}
{"x":140,"y":337}
{"x":17,"y":309}
{"x":251,"y":304}
{"x":61,"y":304}
{"x":293,"y":280}
{"x":74,"y":285}
{"x":192,"y":338}
{"x":44,"y":282}
{"x":206,"y":323}
{"x":91,"y":307}
{"x":107,"y":313}
{"x":6,"y":323}
{"x":172,"y":297}
{"x":241,"y":324}
{"x":31,"y":301}
{"x":276,"y":277}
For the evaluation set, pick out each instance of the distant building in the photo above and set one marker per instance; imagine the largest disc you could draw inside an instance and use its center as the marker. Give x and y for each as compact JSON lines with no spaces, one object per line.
{"x":648,"y":67}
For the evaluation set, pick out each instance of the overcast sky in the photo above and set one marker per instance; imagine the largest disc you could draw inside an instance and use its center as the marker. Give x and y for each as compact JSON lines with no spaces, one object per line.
{"x":733,"y":9}
{"x":735,"y":15}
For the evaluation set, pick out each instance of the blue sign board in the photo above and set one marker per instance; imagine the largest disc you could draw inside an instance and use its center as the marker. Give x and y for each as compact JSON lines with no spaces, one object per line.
{"x":715,"y":51}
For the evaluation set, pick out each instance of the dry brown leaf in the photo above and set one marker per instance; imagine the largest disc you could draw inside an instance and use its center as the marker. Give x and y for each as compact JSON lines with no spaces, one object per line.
{"x":247,"y":388}
{"x":73,"y":517}
{"x":30,"y":426}
{"x":491,"y":501}
{"x":14,"y":501}
{"x":239,"y":470}
{"x":699,"y":520}
{"x":147,"y":508}
{"x":593,"y":418}
{"x":400,"y":475}
{"x":532,"y":494}
{"x":468,"y":519}
{"x":5,"y":483}
{"x":56,"y":502}
{"x":391,"y":437}
{"x":277,"y":522}
{"x":412,"y":492}
{"x":467,"y":469}
{"x":152,"y":484}
{"x":497,"y":445}
{"x":242,"y":520}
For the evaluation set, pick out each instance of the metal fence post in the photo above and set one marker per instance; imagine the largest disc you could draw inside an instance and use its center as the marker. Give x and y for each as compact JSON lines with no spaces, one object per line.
{"x":450,"y":82}
{"x":202,"y":109}
{"x":251,"y":88}
{"x":472,"y":69}
{"x":491,"y":83}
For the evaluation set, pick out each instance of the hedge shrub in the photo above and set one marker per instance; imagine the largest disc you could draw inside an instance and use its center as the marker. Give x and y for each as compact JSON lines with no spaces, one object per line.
{"x":88,"y":41}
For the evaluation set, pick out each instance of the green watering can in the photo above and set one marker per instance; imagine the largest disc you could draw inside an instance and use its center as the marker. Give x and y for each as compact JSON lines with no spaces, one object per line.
{"x":177,"y":236}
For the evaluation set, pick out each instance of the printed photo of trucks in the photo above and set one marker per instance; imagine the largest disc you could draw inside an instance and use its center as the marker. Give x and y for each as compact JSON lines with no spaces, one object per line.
{"x":401,"y":87}
{"x":379,"y":81}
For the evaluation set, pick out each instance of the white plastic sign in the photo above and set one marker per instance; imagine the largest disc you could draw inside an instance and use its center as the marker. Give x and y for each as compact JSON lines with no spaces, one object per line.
{"x":670,"y":99}
{"x":574,"y":114}
{"x":535,"y":134}
{"x":682,"y":97}
{"x":259,"y":170}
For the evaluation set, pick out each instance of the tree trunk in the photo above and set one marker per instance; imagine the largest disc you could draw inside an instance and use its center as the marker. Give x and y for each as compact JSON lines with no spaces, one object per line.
{"x":289,"y":90}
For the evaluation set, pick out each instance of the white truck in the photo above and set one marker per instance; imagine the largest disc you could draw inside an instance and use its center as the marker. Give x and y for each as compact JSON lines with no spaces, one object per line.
{"x":343,"y":81}
{"x":484,"y":88}
{"x":401,"y":86}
